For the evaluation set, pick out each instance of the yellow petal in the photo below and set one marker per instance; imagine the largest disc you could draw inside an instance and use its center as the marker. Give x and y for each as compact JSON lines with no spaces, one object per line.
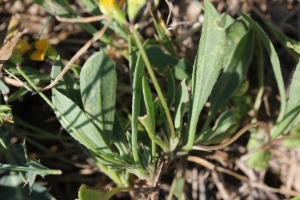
{"x":37,"y":55}
{"x":22,"y":46}
{"x":41,"y":44}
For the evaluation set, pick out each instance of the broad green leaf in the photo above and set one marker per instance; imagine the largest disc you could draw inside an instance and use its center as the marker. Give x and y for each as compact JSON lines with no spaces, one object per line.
{"x":98,"y":92}
{"x":86,"y":192}
{"x":276,"y":68}
{"x":182,"y":70}
{"x":206,"y":68}
{"x":292,"y":116}
{"x":234,"y":33}
{"x":79,"y":126}
{"x":158,"y":58}
{"x":233,"y":74}
{"x":12,"y":187}
{"x":66,"y":83}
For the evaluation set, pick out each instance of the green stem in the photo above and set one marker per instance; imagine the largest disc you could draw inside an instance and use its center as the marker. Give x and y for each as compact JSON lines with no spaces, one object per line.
{"x":260,"y":66}
{"x":154,"y":80}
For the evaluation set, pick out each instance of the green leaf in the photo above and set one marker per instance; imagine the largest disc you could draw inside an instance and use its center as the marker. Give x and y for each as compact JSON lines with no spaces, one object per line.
{"x":139,"y":70}
{"x":160,"y":115}
{"x":77,"y":94}
{"x":32,"y":169}
{"x":292,"y":116}
{"x":21,"y":91}
{"x":98,"y":91}
{"x":118,"y":138}
{"x":12,"y":187}
{"x":74,"y":120}
{"x":66,"y":83}
{"x":147,"y":123}
{"x":149,"y":103}
{"x":293,"y":140}
{"x":63,"y":9}
{"x":56,"y":7}
{"x":31,"y":73}
{"x":233,"y":74}
{"x":225,"y":126}
{"x":181,"y":100}
{"x":133,"y":56}
{"x":276,"y":68}
{"x":171,"y":88}
{"x":292,"y":46}
{"x":259,"y":160}
{"x":163,"y":38}
{"x":234,"y":33}
{"x":148,"y":120}
{"x":158,"y":58}
{"x":86,"y":192}
{"x":3,"y":87}
{"x":206,"y":68}
{"x":91,"y":6}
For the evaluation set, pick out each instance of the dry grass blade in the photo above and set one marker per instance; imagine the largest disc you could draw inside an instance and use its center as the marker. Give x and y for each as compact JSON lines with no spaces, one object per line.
{"x":263,"y":125}
{"x":81,"y":20}
{"x":7,"y":49}
{"x":78,"y":54}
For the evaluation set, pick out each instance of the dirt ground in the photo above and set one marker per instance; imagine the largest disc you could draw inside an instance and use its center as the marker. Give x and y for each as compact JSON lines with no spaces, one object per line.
{"x":230,"y":178}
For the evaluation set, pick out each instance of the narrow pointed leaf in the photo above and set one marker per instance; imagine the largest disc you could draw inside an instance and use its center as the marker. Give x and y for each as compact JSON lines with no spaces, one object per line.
{"x":206,"y":68}
{"x":275,"y":64}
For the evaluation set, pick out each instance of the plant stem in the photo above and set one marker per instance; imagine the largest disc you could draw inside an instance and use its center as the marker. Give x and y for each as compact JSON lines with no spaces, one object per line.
{"x":260,"y":66}
{"x":155,"y":83}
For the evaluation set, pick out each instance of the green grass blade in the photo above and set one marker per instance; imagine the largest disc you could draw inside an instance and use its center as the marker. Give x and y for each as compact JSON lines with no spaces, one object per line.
{"x":275,"y":64}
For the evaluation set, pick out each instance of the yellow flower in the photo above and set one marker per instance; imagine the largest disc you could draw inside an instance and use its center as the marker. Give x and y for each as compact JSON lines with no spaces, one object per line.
{"x":21,"y":47}
{"x":43,"y":47}
{"x":134,"y":6}
{"x":111,"y":9}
